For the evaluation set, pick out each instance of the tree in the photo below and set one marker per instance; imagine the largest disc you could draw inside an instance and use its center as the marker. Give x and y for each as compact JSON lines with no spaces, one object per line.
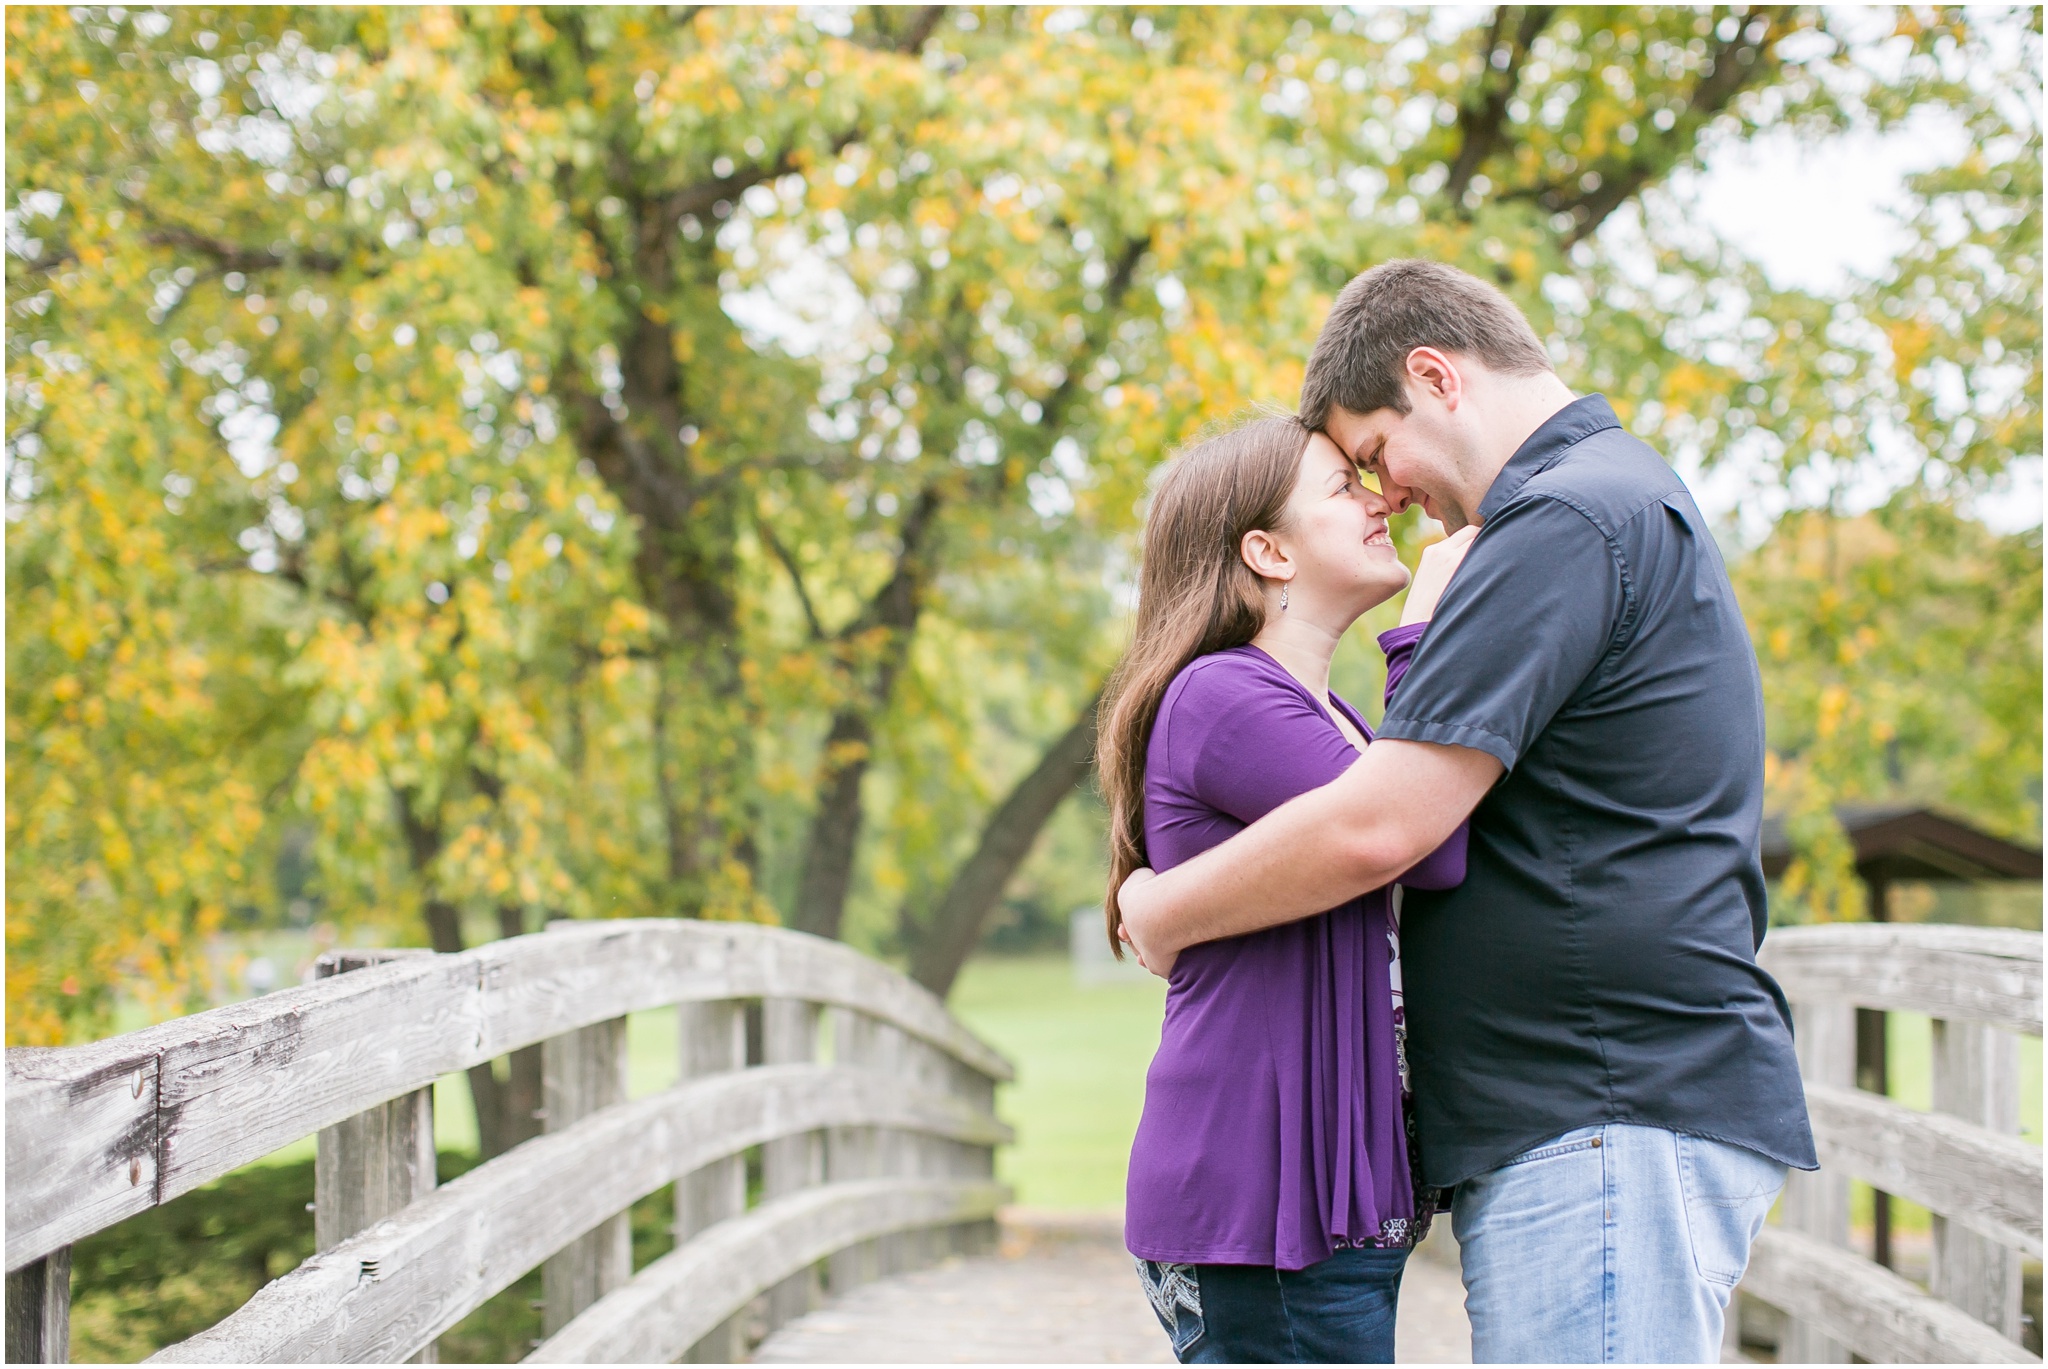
{"x":609,"y":461}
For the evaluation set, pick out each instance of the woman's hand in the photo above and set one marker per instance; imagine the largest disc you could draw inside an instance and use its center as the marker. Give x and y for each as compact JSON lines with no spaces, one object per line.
{"x":1440,"y":560}
{"x":1157,"y":960}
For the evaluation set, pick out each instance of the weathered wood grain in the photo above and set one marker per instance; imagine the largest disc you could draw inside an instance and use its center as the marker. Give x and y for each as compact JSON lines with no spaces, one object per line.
{"x":81,"y":1142}
{"x":789,"y":1035}
{"x":680,"y":1296}
{"x":383,"y":1294}
{"x":39,"y":1310}
{"x":1817,"y":1204}
{"x":582,"y":1073}
{"x":1868,"y":1308}
{"x":371,"y":1165}
{"x":98,"y":1133}
{"x":712,"y":1040}
{"x":1977,"y":974}
{"x":1987,"y":1182}
{"x":1977,"y":1078}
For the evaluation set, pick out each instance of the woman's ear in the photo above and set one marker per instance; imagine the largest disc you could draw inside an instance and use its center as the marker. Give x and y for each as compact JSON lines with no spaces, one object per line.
{"x":1266,"y":557}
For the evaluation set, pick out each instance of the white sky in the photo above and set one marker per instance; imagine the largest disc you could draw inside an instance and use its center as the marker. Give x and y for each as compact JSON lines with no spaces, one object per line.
{"x":1817,"y":214}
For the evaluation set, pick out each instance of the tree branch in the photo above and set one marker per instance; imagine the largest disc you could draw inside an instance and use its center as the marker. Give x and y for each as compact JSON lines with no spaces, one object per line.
{"x":796,"y":577}
{"x":955,"y":927}
{"x":1591,"y":197}
{"x":1482,"y":120}
{"x":234,"y":256}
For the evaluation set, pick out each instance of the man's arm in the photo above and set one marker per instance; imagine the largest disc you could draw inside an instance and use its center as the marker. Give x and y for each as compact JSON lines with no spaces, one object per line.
{"x":1311,"y":854}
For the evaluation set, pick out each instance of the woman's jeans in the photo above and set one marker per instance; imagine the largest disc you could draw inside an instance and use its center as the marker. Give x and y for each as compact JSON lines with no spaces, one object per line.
{"x":1340,"y":1311}
{"x":1612,"y":1244}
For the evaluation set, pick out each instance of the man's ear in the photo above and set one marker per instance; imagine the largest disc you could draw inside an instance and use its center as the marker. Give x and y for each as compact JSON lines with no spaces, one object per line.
{"x":1437,"y":374}
{"x":1264,"y":554}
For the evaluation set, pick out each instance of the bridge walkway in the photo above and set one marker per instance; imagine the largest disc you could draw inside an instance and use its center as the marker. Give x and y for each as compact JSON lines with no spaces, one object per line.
{"x":1058,"y":1290}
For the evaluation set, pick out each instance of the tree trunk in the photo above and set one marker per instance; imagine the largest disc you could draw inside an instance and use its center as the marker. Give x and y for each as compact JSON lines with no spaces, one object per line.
{"x":834,"y":841}
{"x":955,"y":928}
{"x":504,"y":1108}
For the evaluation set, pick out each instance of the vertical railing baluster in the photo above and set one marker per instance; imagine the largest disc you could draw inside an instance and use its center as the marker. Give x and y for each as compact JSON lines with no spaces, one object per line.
{"x":1818,"y":1203}
{"x":39,"y":1310}
{"x":853,"y":1152}
{"x":1976,"y":1078}
{"x":789,"y":1035}
{"x":712,"y":1040}
{"x":371,"y":1165}
{"x":582,"y":1072}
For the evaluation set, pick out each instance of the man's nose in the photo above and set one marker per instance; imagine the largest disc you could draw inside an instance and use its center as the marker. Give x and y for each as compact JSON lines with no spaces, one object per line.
{"x":1394,"y":495}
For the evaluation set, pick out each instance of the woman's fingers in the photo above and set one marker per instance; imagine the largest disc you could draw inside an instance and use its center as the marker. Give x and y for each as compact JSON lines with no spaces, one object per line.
{"x":1439,"y":562}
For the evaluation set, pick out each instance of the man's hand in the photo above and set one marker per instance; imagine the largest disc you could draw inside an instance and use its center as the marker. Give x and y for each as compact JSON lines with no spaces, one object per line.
{"x":1158,"y":960}
{"x":1440,"y":560}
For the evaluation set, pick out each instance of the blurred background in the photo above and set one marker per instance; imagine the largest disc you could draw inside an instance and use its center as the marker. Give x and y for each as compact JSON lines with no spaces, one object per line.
{"x":467,"y":468}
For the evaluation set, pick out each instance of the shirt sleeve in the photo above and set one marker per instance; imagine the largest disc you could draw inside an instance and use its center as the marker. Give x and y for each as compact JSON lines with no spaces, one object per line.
{"x":1443,"y":868}
{"x":1254,"y":743}
{"x":1523,"y":624}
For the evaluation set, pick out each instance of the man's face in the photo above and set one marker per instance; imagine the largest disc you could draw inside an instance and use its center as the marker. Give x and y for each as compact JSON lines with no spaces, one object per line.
{"x":1411,"y":462}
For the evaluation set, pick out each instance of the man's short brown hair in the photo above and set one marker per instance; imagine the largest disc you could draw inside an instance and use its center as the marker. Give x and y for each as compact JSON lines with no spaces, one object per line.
{"x":1360,"y":360}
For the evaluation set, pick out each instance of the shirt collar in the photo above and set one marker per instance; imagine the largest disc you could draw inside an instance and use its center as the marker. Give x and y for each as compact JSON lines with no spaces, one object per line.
{"x":1573,"y":423}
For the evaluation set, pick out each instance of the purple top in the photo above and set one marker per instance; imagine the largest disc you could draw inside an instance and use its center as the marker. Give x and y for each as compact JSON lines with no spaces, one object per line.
{"x":1273,"y":1131}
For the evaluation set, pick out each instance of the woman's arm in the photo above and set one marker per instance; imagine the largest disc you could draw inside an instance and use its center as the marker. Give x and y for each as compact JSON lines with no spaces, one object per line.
{"x":1443,"y":868}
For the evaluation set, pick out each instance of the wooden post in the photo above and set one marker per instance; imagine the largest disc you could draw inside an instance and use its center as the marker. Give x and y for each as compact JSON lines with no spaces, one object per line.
{"x":39,"y":1310}
{"x":371,"y":1165}
{"x":713,"y":1041}
{"x":854,"y":1152}
{"x":582,"y":1072}
{"x":1818,"y":1203}
{"x":1873,"y":1073}
{"x":789,"y":1035}
{"x":1976,"y":1077}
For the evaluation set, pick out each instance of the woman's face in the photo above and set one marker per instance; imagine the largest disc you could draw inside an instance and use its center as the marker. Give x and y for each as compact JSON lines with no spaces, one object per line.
{"x":1335,"y":538}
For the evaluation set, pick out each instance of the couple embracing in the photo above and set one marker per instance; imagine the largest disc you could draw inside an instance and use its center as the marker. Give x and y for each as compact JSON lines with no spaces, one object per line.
{"x":1551,"y":843}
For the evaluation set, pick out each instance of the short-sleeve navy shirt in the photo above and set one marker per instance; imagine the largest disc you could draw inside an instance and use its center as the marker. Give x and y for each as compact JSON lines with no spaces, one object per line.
{"x":1598,"y":964}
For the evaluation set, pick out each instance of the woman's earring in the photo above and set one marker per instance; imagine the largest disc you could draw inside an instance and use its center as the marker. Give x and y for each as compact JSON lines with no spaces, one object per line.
{"x":1283,"y":596}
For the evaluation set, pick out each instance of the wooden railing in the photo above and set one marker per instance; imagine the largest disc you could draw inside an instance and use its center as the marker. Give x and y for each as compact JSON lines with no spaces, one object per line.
{"x":876,"y":1139}
{"x":1963,"y":1161}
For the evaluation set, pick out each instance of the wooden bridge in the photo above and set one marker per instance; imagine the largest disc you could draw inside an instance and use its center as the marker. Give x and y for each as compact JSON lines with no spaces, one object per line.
{"x":871,"y":1112}
{"x":872,"y":1108}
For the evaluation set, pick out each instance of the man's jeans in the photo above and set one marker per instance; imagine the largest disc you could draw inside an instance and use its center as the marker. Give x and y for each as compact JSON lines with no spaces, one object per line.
{"x":1610,"y":1245}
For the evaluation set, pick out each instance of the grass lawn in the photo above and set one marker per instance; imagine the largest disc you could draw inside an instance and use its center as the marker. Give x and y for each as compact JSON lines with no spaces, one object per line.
{"x":1081,"y":1054}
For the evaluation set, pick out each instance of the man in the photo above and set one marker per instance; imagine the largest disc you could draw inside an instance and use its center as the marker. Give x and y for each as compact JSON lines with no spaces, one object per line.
{"x":1600,"y":1068}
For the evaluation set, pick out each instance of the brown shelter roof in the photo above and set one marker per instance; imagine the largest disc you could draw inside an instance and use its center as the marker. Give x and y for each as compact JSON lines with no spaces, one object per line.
{"x":1914,"y":843}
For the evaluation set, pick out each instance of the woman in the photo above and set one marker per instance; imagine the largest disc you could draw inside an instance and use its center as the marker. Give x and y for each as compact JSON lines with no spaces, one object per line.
{"x":1270,"y":1202}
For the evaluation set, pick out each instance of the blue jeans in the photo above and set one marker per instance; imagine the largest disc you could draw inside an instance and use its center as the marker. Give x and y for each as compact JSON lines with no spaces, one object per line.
{"x":1338,"y":1311}
{"x":1612,"y":1244}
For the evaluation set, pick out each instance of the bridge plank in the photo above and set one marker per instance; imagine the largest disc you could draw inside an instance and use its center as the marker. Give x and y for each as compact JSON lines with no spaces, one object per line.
{"x":1969,"y":1174}
{"x":1867,"y":1307}
{"x":86,"y":1148}
{"x":391,"y":1289}
{"x":1979,"y":974}
{"x":679,"y":1297}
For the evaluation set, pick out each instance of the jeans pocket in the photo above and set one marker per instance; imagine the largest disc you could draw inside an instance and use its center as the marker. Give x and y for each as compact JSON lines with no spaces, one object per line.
{"x":1175,"y":1292}
{"x":1561,"y":1146}
{"x":1728,"y":1192}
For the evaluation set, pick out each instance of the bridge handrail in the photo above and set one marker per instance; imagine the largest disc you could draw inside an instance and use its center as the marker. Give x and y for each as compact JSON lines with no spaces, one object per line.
{"x":1961,"y":1161}
{"x":100,"y":1132}
{"x":385,"y":1292}
{"x":881,"y":1159}
{"x":1975,"y":974}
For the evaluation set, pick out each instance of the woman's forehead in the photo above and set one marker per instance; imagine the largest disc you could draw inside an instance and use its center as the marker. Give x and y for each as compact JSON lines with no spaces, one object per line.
{"x":1323,"y":455}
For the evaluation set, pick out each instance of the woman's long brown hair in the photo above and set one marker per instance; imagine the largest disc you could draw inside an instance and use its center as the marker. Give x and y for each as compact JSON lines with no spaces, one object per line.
{"x":1195,"y":596}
